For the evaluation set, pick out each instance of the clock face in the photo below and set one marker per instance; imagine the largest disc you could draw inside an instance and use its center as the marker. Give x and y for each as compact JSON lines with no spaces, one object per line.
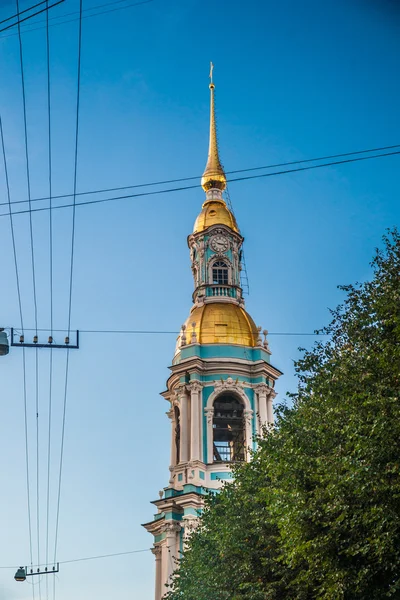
{"x":219,"y":243}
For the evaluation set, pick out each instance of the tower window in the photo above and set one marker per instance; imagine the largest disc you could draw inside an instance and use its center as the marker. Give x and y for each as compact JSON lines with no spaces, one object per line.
{"x":228,"y":430}
{"x":220,"y":273}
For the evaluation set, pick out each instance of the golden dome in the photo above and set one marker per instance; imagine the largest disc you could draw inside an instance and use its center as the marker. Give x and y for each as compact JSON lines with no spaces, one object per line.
{"x":215,"y":212}
{"x":221,"y":323}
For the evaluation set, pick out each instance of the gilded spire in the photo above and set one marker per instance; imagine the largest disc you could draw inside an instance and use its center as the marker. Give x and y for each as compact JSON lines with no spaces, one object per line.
{"x":213,"y":176}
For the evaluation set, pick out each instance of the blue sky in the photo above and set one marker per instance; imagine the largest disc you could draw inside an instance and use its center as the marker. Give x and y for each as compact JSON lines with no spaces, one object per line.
{"x":294,"y":80}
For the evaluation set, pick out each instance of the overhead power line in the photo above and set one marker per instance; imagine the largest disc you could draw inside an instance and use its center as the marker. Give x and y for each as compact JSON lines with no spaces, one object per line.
{"x":49,"y":423}
{"x":198,"y":177}
{"x":23,"y":12}
{"x":132,"y":5}
{"x":97,"y":557}
{"x":29,"y":16}
{"x":70,"y":274}
{"x":175,"y":331}
{"x":190,"y":187}
{"x":36,"y":324}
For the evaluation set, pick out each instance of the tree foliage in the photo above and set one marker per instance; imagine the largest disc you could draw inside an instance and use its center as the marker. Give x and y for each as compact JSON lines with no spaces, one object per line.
{"x":316,"y":514}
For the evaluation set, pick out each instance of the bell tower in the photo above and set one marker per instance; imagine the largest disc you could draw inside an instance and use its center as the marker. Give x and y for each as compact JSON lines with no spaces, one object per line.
{"x":221,"y":386}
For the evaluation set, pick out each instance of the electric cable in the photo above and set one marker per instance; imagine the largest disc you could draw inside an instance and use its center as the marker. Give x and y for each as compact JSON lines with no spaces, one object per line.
{"x":23,"y":12}
{"x":34,"y":288}
{"x":51,"y":292}
{"x":23,"y":350}
{"x":176,"y":332}
{"x":190,"y":187}
{"x":91,"y":8}
{"x":71,"y":276}
{"x":84,"y":17}
{"x":29,"y":17}
{"x":82,"y":559}
{"x":28,"y":178}
{"x":198,"y":177}
{"x":27,"y":458}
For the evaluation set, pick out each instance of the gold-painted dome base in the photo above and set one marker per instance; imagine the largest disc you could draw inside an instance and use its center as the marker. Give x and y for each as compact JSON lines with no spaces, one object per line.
{"x":215,"y":212}
{"x":221,"y":323}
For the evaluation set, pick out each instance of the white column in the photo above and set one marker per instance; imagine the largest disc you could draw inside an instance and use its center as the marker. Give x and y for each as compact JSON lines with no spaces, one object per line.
{"x":172,"y":530}
{"x":171,"y":415}
{"x":184,"y":423}
{"x":270,"y":413}
{"x":189,"y":523}
{"x":262,"y":389}
{"x":157,"y":553}
{"x":210,"y":451}
{"x":195,"y":440}
{"x":248,"y":419}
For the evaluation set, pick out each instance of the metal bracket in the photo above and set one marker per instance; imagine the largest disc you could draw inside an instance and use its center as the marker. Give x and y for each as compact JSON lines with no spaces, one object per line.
{"x":50,"y":343}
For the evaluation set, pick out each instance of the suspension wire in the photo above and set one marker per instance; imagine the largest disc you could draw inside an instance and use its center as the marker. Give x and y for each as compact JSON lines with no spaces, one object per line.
{"x":197,"y":177}
{"x":28,"y":178}
{"x":70,"y":279}
{"x":30,"y":16}
{"x":22,"y":12}
{"x":192,"y":187}
{"x":37,"y":461}
{"x":82,"y":559}
{"x":84,"y":17}
{"x":27,"y":460}
{"x":176,"y":332}
{"x":23,"y":350}
{"x":34,"y":291}
{"x":51,"y":293}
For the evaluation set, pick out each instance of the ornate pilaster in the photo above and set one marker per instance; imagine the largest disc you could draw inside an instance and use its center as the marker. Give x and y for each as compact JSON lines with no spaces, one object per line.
{"x":270,"y":399}
{"x":183,"y":401}
{"x":190,"y":523}
{"x":248,"y":420}
{"x":195,"y":388}
{"x":209,"y":411}
{"x":157,"y":551}
{"x":265,"y":396}
{"x":171,"y":415}
{"x":171,"y":548}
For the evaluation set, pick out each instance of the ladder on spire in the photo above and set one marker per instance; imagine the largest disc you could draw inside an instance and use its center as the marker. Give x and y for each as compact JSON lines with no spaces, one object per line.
{"x":244,"y":279}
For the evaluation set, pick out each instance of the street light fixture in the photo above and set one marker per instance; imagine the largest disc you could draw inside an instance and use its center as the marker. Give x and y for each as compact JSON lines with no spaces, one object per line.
{"x":4,"y":347}
{"x":20,"y":575}
{"x":23,"y":572}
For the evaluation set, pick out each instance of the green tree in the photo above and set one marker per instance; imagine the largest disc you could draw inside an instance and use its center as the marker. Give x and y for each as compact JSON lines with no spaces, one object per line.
{"x":317,"y":512}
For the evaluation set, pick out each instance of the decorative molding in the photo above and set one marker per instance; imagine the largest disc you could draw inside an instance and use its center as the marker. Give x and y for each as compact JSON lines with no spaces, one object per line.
{"x":209,"y":414}
{"x":248,"y":415}
{"x":178,"y":392}
{"x":190,"y":524}
{"x":232,"y":386}
{"x":194,"y":386}
{"x":171,"y":528}
{"x":157,"y":550}
{"x":262,"y":389}
{"x":228,"y":383}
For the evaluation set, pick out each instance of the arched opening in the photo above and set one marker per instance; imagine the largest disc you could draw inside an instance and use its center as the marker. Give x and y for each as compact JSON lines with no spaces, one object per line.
{"x":177,"y":435}
{"x":220,"y":273}
{"x":228,"y":430}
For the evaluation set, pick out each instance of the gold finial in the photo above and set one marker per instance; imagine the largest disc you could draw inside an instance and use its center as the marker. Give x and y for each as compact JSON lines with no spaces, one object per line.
{"x":213,"y":176}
